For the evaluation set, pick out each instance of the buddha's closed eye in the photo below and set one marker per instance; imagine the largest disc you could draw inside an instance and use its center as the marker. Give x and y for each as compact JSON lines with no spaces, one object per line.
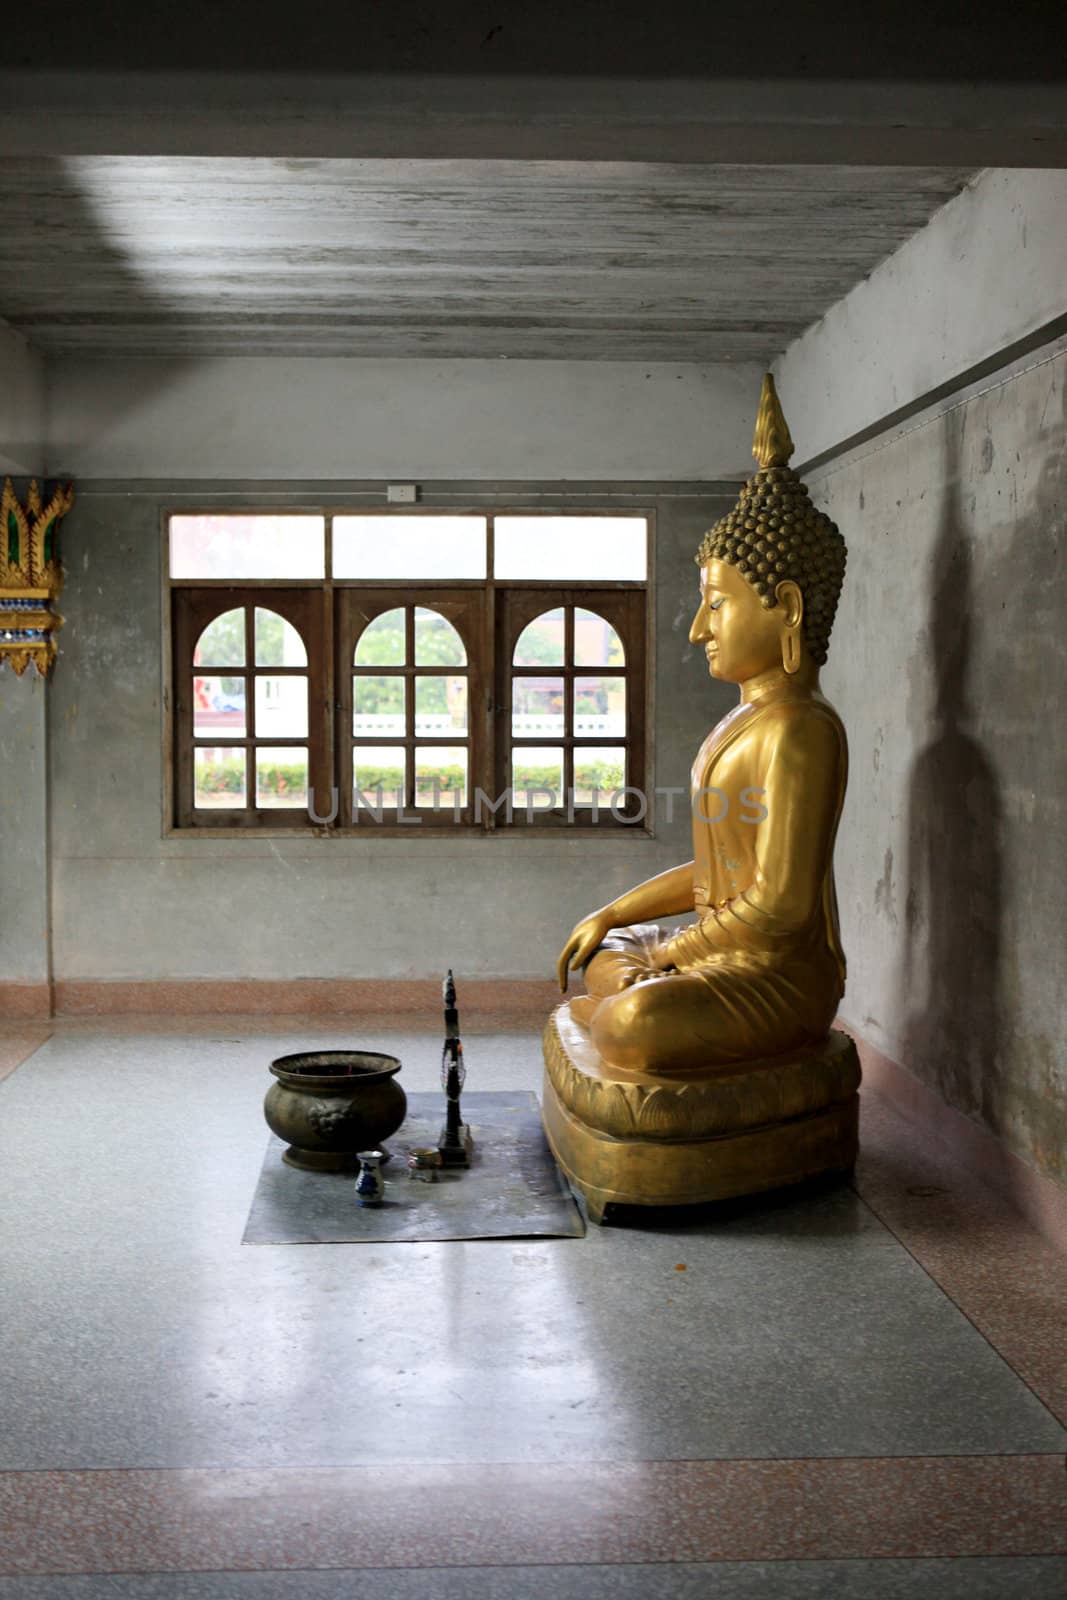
{"x":713,"y":605}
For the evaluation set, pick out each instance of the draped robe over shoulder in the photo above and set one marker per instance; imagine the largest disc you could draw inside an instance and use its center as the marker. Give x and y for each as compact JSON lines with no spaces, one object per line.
{"x":761,"y":971}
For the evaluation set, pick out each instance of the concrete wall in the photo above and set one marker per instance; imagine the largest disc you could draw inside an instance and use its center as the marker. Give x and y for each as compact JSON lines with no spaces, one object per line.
{"x":23,"y":705}
{"x":130,"y":904}
{"x":983,"y":279}
{"x":24,"y":955}
{"x":278,"y":418}
{"x":22,"y":406}
{"x":949,"y":666}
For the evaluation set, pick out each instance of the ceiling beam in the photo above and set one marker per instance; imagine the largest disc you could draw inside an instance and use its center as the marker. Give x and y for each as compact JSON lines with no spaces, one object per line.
{"x":750,"y":121}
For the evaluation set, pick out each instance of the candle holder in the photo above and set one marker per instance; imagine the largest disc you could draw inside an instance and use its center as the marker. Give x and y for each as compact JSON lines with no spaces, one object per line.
{"x":455,"y":1145}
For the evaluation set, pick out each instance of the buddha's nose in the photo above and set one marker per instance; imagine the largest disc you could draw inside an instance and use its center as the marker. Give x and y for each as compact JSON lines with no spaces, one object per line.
{"x":699,"y":633}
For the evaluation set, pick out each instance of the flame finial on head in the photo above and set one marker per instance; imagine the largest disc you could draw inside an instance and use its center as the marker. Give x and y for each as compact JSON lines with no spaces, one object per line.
{"x":772,"y":444}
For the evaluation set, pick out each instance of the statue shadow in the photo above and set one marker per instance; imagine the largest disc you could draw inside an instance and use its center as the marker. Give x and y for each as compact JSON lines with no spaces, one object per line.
{"x":953,"y":909}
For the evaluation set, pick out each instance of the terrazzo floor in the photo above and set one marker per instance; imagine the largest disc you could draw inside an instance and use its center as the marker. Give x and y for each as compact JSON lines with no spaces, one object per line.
{"x":858,"y":1392}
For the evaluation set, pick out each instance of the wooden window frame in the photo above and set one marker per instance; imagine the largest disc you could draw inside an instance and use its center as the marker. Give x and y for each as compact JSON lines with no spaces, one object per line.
{"x":517,"y":607}
{"x":488,"y":610}
{"x":193,"y":610}
{"x":356,"y":609}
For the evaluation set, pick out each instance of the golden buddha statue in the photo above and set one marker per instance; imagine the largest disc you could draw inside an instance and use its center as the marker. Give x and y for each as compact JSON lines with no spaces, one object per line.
{"x":735,"y":1009}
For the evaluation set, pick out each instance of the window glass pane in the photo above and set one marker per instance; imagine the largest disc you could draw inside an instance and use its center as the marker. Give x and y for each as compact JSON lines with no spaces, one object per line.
{"x":540,"y":644}
{"x":282,"y":708}
{"x":591,"y":548}
{"x":277,"y":642}
{"x":600,"y":708}
{"x":218,"y":708}
{"x":536,"y":770}
{"x":440,"y":705}
{"x":281,"y":777}
{"x":605,"y":767}
{"x":219,"y":778}
{"x":381,"y":644}
{"x":377,"y":706}
{"x":537,"y":708}
{"x":441,"y":775}
{"x":374,"y":765}
{"x":222,"y":643}
{"x":437,"y":644}
{"x":596,"y":644}
{"x":247,"y":547}
{"x":409,"y":547}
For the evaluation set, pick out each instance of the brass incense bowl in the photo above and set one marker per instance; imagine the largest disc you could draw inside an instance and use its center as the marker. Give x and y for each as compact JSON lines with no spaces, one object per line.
{"x":328,"y":1105}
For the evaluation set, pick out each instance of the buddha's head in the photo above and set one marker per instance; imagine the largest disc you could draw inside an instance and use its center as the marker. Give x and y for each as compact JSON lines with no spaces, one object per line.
{"x":771,"y":570}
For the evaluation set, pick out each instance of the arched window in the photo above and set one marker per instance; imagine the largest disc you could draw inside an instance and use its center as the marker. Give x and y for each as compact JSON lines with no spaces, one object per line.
{"x":243,"y":701}
{"x":569,"y":744}
{"x":411,"y":716}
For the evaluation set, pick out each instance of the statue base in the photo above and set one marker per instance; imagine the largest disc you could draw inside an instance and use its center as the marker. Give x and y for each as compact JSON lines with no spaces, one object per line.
{"x":640,"y":1140}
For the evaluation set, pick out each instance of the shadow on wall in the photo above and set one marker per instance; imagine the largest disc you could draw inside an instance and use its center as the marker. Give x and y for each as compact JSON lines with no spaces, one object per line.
{"x":951,"y":969}
{"x":969,"y":1028}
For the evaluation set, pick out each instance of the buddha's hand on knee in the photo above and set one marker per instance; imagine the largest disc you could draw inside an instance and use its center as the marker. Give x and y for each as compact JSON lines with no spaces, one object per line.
{"x":661,"y":958}
{"x":586,"y":938}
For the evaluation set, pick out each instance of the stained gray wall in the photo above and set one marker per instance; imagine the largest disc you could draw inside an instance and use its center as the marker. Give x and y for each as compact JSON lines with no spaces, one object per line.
{"x":23,"y":828}
{"x":23,"y":703}
{"x":280,"y":417}
{"x":980,"y":283}
{"x":131,"y":904}
{"x":22,"y":405}
{"x":948,"y":665}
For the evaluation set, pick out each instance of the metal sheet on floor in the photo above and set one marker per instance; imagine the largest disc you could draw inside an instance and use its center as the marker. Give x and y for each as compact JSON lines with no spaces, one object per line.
{"x":513,"y":1190}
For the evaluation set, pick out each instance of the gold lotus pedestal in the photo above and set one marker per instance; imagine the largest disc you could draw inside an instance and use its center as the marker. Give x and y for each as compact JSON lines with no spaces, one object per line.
{"x":632,"y":1138}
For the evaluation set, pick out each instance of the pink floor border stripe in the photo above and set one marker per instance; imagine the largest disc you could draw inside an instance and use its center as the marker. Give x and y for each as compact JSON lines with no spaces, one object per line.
{"x":432,"y":1515}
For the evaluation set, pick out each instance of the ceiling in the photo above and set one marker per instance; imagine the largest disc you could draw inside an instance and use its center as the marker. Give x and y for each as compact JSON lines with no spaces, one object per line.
{"x":597,"y":260}
{"x":834,"y":40}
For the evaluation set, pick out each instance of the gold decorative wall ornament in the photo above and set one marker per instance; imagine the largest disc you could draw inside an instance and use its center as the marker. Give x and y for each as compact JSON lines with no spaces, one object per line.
{"x":30,"y":575}
{"x":700,"y":1063}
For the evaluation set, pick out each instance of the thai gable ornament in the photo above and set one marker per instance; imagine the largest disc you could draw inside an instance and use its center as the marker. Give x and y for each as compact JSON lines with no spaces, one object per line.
{"x":30,"y":575}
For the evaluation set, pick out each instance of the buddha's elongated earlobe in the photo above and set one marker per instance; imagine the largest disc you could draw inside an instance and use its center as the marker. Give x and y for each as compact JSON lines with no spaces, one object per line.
{"x":791,"y":600}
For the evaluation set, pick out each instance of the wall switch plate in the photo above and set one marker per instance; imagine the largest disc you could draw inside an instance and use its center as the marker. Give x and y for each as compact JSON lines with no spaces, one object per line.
{"x":402,"y":494}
